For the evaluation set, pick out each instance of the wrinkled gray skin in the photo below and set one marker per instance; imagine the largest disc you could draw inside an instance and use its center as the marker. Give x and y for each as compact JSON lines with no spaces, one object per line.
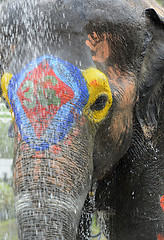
{"x":50,"y":188}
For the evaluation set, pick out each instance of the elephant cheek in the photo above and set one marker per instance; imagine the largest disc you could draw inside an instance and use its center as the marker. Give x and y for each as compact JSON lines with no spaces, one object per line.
{"x":112,"y":143}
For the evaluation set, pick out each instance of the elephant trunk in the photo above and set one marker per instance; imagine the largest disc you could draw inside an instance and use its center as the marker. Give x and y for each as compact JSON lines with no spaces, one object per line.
{"x":51,"y":218}
{"x":50,"y":189}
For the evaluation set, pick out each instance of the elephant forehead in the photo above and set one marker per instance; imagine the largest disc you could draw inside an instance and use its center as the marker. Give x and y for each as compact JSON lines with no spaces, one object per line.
{"x":45,"y":97}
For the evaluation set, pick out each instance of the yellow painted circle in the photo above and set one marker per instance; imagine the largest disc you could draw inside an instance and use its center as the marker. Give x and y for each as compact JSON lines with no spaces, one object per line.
{"x":98,"y":85}
{"x":4,"y":85}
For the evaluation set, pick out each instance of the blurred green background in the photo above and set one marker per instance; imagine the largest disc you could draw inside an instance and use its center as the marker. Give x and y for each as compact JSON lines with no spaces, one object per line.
{"x":6,"y":143}
{"x":161,"y":2}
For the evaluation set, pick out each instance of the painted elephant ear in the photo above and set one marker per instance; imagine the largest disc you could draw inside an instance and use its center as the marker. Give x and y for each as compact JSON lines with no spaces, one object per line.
{"x":150,"y":104}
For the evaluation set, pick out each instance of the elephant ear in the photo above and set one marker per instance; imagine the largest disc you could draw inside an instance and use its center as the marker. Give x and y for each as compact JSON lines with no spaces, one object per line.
{"x":154,"y":18}
{"x":150,"y":105}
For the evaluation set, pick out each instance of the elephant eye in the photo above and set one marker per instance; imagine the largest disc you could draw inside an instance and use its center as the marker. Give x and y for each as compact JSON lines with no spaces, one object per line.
{"x":100,"y":103}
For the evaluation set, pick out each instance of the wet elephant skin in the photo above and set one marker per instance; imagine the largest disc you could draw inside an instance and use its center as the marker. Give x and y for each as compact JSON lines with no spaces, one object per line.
{"x":84,"y":82}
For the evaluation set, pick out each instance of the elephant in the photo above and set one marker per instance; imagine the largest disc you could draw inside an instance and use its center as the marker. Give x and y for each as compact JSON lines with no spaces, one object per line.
{"x":84,"y":82}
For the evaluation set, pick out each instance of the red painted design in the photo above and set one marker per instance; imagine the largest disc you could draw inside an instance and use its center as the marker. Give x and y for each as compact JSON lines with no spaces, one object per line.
{"x":94,"y":83}
{"x":99,"y":44}
{"x":76,"y":132}
{"x":55,"y":149}
{"x":69,"y":141}
{"x":83,"y":121}
{"x":38,"y":154}
{"x":160,"y":237}
{"x":162,"y":202}
{"x":25,"y":147}
{"x":40,"y":114}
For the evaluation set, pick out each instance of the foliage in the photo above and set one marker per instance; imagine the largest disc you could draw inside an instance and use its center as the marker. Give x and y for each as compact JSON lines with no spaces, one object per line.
{"x":6,"y":143}
{"x":6,"y":201}
{"x":8,"y":230}
{"x":96,"y":229}
{"x":161,"y":2}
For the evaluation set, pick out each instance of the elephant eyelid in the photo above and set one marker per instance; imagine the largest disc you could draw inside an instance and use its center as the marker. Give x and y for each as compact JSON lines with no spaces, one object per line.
{"x":100,"y":103}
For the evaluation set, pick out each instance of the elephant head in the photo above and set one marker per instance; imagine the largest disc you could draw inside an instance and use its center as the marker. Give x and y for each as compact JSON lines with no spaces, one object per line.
{"x":80,"y":79}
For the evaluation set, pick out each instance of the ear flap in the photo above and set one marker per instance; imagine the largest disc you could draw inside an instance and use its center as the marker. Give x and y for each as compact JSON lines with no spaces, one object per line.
{"x":154,"y":18}
{"x":150,"y":103}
